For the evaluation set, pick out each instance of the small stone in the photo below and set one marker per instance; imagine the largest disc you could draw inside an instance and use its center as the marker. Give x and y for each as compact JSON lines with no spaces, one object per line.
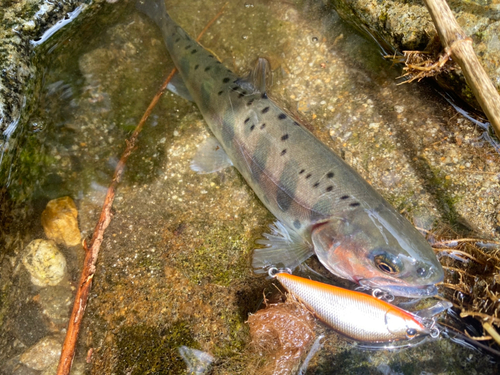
{"x":44,"y":262}
{"x":60,"y":223}
{"x":43,"y":354}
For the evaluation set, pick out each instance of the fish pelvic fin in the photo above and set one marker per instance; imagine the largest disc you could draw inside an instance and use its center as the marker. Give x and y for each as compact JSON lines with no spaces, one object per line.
{"x":285,"y":248}
{"x":210,"y":157}
{"x":178,"y":87}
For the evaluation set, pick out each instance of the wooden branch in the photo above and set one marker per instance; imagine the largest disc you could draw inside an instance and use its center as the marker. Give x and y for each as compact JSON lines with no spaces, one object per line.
{"x":91,"y":254}
{"x":459,"y":46}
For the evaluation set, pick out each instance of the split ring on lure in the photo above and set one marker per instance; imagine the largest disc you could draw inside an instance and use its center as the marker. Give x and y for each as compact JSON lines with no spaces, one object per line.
{"x":359,"y":316}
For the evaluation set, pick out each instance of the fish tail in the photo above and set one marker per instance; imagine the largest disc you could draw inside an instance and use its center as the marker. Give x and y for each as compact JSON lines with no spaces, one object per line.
{"x":154,"y":9}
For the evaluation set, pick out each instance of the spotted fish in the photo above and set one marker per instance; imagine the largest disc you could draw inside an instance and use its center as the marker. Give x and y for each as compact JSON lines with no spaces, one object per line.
{"x":322,"y":205}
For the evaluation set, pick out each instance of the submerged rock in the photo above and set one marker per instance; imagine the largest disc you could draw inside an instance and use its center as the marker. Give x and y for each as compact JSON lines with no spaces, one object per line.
{"x":59,"y":220}
{"x":56,"y":302}
{"x":45,"y":263}
{"x":43,"y":354}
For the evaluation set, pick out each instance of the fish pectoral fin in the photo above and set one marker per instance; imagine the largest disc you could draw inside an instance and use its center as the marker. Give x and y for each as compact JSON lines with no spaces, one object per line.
{"x":178,"y":87}
{"x":210,"y":157}
{"x":285,"y":248}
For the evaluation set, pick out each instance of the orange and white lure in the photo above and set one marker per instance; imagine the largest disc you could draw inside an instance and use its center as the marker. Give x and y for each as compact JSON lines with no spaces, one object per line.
{"x":356,"y":315}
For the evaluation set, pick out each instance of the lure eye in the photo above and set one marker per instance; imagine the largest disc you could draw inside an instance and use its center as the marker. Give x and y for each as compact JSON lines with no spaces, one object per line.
{"x":411,"y":333}
{"x":387,"y":265}
{"x":421,"y":271}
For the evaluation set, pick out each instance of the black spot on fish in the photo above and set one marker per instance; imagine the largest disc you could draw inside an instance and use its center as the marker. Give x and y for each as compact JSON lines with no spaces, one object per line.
{"x":344,"y":197}
{"x":329,"y":188}
{"x":229,"y":70}
{"x":296,"y":123}
{"x":193,"y":51}
{"x":329,"y":174}
{"x":187,"y":47}
{"x":252,"y":127}
{"x":218,"y":62}
{"x":355,"y":204}
{"x":296,"y":224}
{"x":308,"y":175}
{"x":259,"y":159}
{"x":287,"y":186}
{"x":316,"y":184}
{"x":226,"y":80}
{"x":283,"y":152}
{"x":250,"y":102}
{"x":207,"y":69}
{"x":302,"y":171}
{"x":284,"y":137}
{"x":220,"y":92}
{"x":247,"y":119}
{"x":234,"y":88}
{"x":196,"y":66}
{"x":211,"y":56}
{"x":241,"y":95}
{"x":282,"y":116}
{"x":264,"y":95}
{"x":265,"y":110}
{"x":263,"y":126}
{"x":177,"y":40}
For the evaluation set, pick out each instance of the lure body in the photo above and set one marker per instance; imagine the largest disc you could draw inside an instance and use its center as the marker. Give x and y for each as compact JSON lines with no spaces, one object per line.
{"x":356,"y":315}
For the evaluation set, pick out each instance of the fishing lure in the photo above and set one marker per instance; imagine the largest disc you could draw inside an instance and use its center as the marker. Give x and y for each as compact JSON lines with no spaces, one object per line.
{"x":357,"y":315}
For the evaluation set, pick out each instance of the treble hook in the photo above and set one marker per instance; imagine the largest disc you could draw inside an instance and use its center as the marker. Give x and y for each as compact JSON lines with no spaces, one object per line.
{"x":382,"y":295}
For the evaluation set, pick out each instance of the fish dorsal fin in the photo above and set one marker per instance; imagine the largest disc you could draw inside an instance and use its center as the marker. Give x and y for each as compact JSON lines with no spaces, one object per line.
{"x":178,"y":87}
{"x":259,"y":78}
{"x":210,"y":157}
{"x":284,"y":248}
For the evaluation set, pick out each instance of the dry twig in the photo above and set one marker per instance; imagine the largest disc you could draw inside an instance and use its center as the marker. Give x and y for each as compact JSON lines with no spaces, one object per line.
{"x":457,"y":45}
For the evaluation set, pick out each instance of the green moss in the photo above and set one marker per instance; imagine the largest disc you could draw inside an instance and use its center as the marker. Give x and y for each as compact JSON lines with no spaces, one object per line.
{"x":219,"y":259}
{"x":153,"y":350}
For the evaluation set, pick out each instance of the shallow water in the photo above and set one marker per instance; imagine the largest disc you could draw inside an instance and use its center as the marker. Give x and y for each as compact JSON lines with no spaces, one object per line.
{"x":175,"y":265}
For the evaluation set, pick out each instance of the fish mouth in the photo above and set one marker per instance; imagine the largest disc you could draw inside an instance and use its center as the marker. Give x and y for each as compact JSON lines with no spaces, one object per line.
{"x":402,"y":290}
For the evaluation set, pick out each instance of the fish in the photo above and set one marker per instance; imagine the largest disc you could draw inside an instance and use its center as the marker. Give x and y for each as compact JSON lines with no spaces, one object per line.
{"x":322,"y":205}
{"x":356,"y":315}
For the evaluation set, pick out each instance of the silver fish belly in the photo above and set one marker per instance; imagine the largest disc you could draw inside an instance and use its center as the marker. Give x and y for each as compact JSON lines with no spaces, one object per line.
{"x":322,"y":205}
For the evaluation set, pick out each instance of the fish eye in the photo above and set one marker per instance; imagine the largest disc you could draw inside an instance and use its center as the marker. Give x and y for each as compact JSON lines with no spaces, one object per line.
{"x":387,"y":263}
{"x":411,"y":333}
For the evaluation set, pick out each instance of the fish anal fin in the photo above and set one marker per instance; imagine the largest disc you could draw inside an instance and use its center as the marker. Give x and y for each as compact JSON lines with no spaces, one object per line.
{"x":285,"y":248}
{"x":210,"y":157}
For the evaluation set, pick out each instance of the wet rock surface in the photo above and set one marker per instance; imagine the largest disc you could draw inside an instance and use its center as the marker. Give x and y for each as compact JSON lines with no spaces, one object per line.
{"x":407,"y":26}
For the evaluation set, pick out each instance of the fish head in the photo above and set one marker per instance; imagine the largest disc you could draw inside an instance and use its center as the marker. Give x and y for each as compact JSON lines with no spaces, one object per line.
{"x":378,"y":249}
{"x":403,"y":325}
